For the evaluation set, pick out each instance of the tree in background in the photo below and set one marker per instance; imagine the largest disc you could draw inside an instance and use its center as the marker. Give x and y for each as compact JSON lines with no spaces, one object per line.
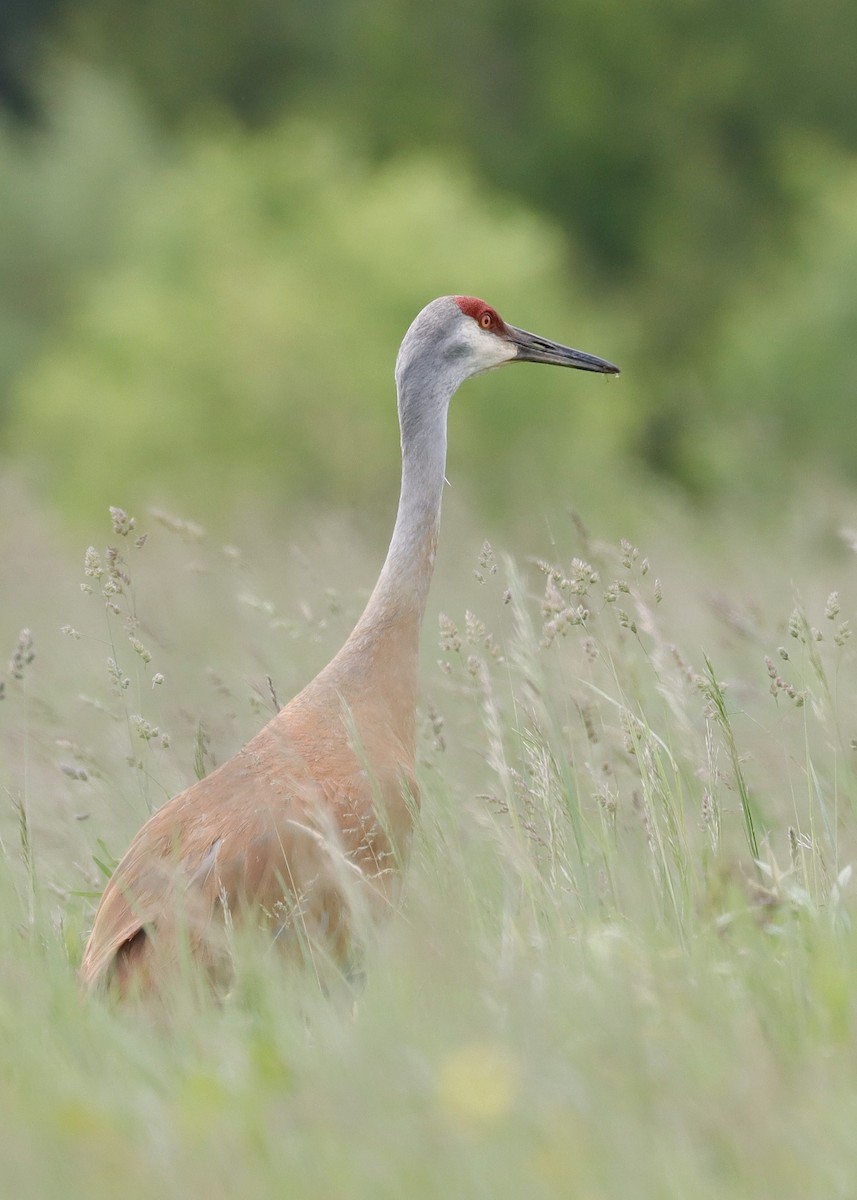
{"x":661,"y":140}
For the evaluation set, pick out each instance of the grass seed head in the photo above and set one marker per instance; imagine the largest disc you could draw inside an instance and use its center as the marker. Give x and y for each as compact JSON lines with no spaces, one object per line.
{"x":450,"y":642}
{"x":22,"y":655}
{"x":843,"y":634}
{"x":122,"y":523}
{"x":93,"y":567}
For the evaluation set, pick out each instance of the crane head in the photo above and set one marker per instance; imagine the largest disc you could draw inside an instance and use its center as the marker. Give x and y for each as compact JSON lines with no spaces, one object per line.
{"x":495,"y":342}
{"x":457,"y":337}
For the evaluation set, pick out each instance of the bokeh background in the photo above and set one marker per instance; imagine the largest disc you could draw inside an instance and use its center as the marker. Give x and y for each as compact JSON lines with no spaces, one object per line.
{"x":218,"y":220}
{"x":625,"y":962}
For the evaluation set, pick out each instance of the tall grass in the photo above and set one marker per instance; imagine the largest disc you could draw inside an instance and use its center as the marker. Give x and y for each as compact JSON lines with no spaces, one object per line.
{"x":624,"y":961}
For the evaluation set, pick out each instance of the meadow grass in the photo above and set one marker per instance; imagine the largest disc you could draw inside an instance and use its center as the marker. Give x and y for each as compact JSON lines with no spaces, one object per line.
{"x":624,"y":963}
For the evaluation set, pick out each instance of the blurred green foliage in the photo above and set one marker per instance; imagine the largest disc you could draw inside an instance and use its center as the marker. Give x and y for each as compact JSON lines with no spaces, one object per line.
{"x":60,"y":191}
{"x":786,"y":378}
{"x":245,"y":333}
{"x":217,"y":231}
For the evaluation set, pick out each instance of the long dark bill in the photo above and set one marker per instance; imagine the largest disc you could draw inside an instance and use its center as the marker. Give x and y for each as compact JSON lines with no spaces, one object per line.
{"x":532,"y":348}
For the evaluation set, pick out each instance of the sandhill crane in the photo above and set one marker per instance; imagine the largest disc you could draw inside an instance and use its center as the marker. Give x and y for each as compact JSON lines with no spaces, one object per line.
{"x":313,"y":815}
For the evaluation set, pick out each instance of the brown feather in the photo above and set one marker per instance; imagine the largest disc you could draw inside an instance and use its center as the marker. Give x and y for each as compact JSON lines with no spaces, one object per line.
{"x":308,"y":820}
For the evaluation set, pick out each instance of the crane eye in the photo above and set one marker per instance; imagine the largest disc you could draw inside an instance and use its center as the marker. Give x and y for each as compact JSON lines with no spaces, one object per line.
{"x":486,"y":320}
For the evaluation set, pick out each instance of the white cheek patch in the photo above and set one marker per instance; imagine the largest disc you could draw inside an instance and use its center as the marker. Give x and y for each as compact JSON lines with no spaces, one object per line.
{"x":487,"y":349}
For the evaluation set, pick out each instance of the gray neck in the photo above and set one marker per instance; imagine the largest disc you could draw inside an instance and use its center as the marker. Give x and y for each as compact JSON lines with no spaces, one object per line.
{"x":377,"y":666}
{"x":402,"y":588}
